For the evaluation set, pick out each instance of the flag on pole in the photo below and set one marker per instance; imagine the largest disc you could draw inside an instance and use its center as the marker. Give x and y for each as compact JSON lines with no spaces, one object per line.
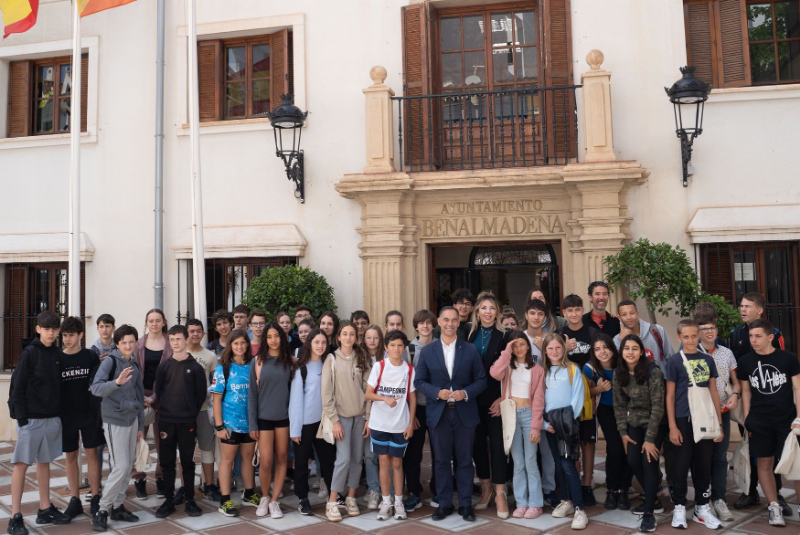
{"x":90,"y":7}
{"x":18,"y":15}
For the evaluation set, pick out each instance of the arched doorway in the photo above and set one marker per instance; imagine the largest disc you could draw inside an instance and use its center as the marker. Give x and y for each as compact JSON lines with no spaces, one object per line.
{"x":509,"y":270}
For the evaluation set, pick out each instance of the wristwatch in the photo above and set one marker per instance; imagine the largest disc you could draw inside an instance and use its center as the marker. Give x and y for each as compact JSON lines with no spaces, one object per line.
{"x":219,"y":427}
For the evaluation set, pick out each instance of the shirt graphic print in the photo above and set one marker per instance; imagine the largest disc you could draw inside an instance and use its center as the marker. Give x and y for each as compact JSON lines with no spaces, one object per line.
{"x":234,"y":406}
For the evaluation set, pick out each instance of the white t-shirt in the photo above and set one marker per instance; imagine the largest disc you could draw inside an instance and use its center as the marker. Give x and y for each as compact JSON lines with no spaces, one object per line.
{"x":394,"y":383}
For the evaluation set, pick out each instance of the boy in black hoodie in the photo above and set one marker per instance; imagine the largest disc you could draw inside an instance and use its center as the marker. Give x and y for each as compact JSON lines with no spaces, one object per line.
{"x":34,"y":401}
{"x":180,"y":388}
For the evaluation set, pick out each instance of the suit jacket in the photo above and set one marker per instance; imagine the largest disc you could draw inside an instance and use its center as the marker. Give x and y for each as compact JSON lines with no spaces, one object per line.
{"x":468,"y":375}
{"x":497,"y":343}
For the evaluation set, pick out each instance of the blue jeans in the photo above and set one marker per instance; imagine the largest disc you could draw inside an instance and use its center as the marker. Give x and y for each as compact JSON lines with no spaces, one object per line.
{"x":527,"y":483}
{"x":372,"y":463}
{"x":548,"y":465}
{"x":567,"y":478}
{"x":719,"y":461}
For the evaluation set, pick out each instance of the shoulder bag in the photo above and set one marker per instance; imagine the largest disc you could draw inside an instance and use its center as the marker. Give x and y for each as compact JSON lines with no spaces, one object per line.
{"x":705,"y":424}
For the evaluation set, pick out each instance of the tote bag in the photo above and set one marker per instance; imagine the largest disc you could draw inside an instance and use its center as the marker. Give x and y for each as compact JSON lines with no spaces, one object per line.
{"x":325,"y":430}
{"x":737,"y":414}
{"x":740,"y":463}
{"x":508,"y":412}
{"x":141,"y":457}
{"x":705,"y":424}
{"x":789,"y":465}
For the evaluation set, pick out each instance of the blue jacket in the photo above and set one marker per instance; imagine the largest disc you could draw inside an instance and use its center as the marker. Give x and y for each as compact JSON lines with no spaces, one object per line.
{"x":468,"y":375}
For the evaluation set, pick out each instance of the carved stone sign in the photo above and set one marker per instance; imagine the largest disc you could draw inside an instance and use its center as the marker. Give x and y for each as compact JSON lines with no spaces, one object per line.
{"x":459,"y":227}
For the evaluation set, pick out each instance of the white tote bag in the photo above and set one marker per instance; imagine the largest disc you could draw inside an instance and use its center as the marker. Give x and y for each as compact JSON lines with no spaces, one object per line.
{"x":508,"y":412}
{"x":789,"y":465}
{"x":141,"y":457}
{"x":705,"y":424}
{"x":740,"y":463}
{"x":325,"y":430}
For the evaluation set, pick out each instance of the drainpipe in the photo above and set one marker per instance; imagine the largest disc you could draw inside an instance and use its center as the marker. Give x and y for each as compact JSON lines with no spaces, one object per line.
{"x":158,"y":285}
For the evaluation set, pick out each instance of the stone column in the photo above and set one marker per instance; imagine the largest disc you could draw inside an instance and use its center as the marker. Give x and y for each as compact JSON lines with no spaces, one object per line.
{"x":378,"y":122}
{"x":598,"y":132}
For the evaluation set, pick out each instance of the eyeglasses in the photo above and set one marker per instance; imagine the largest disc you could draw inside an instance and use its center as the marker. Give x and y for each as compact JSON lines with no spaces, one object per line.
{"x":464,"y":305}
{"x":259,"y":324}
{"x":707,"y":329}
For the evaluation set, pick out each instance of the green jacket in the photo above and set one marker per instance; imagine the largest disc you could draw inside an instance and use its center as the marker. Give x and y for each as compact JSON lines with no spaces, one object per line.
{"x":640,"y":405}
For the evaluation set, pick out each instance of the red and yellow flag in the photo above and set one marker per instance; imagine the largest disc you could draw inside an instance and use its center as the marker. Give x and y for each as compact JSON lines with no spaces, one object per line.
{"x":90,"y":7}
{"x":18,"y":15}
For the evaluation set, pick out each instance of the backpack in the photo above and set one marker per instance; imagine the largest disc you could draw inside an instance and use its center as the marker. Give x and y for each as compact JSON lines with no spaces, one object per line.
{"x":660,"y":341}
{"x":588,"y":406}
{"x":380,"y":374}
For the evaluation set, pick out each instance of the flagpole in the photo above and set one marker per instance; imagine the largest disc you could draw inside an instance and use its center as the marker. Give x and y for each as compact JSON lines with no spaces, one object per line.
{"x":198,"y":250}
{"x":74,"y":265}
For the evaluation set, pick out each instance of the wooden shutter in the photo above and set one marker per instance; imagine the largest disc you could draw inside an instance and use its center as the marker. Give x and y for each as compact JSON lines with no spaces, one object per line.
{"x":732,"y":45}
{"x":279,"y":67}
{"x":557,"y":36}
{"x":16,"y":322}
{"x":419,"y":21}
{"x":84,"y":90}
{"x":701,"y":51}
{"x":717,"y":270}
{"x":210,"y":79}
{"x":19,"y":99}
{"x":290,"y":66}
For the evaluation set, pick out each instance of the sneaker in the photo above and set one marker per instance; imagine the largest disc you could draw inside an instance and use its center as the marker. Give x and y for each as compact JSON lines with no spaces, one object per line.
{"x":166,"y":509}
{"x":563,"y":509}
{"x":180,"y":496}
{"x":776,"y":514}
{"x":385,"y":512}
{"x":99,"y":521}
{"x":648,"y":523}
{"x":413,"y":502}
{"x":399,"y":510}
{"x":552,"y":499}
{"x":340,"y":502}
{"x":745,"y":500}
{"x":275,"y":510}
{"x":159,"y":488}
{"x":723,"y":513}
{"x":580,"y":520}
{"x":94,"y":506}
{"x":229,"y":508}
{"x":533,"y":512}
{"x":703,"y":515}
{"x":192,"y":508}
{"x":305,"y":507}
{"x":51,"y":515}
{"x":74,"y":508}
{"x":787,"y":511}
{"x":323,"y":490}
{"x":351,"y":505}
{"x":332,"y":512}
{"x":122,"y":514}
{"x":141,"y":489}
{"x":658,"y":508}
{"x":588,"y":495}
{"x":679,"y":517}
{"x":623,"y":502}
{"x":254,"y":500}
{"x":434,"y":502}
{"x":263,"y":507}
{"x":211,"y":492}
{"x":519,"y":512}
{"x":611,"y":500}
{"x":16,"y":526}
{"x":371,"y":499}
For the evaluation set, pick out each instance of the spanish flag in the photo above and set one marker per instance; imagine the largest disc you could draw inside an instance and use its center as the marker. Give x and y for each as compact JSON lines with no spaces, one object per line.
{"x":18,"y":15}
{"x":90,"y":7}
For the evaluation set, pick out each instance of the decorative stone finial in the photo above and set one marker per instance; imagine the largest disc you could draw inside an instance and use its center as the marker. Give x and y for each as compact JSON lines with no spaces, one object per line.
{"x":378,"y":74}
{"x":595,"y":58}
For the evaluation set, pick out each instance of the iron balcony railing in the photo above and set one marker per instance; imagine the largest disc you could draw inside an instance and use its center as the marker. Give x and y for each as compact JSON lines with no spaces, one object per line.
{"x":532,"y":126}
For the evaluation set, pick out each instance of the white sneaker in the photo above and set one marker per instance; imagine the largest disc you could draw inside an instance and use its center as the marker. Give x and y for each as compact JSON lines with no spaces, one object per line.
{"x":332,"y":512}
{"x":563,"y":509}
{"x":704,"y":515}
{"x":371,"y":499}
{"x":351,"y":505}
{"x":275,"y":510}
{"x":723,"y":513}
{"x":399,"y":511}
{"x":323,"y":490}
{"x":385,"y":511}
{"x":679,"y":517}
{"x":776,"y":515}
{"x":433,"y":503}
{"x":263,"y":507}
{"x":580,"y":520}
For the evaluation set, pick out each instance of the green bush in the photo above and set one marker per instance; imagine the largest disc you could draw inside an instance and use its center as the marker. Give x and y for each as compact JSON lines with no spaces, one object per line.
{"x":285,"y":288}
{"x":728,"y":317}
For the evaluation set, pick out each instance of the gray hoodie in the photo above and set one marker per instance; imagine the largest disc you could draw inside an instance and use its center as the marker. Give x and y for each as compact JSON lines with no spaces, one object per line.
{"x":660,"y":353}
{"x":122,"y":405}
{"x":100,"y":350}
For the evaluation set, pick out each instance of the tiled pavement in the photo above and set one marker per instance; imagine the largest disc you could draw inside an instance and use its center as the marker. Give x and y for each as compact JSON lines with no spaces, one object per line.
{"x":602,"y":522}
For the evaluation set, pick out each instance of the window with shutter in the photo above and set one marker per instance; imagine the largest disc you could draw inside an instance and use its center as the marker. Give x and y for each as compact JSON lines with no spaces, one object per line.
{"x":19,"y":99}
{"x":556,"y":21}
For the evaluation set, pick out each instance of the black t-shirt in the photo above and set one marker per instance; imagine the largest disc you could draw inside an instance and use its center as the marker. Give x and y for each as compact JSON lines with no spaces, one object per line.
{"x":77,"y":372}
{"x":585,"y":338}
{"x":770,"y":379}
{"x":151,"y":361}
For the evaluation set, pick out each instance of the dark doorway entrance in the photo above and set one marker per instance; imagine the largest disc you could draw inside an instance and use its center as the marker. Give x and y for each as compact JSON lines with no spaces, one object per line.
{"x":509,"y":270}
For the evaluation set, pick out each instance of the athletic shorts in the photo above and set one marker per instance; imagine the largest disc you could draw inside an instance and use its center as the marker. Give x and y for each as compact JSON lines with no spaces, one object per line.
{"x":84,"y":425}
{"x":237,"y":438}
{"x":38,"y":442}
{"x":383,"y":443}
{"x":767,"y":439}
{"x":272,"y":425}
{"x":205,"y":432}
{"x":588,"y":431}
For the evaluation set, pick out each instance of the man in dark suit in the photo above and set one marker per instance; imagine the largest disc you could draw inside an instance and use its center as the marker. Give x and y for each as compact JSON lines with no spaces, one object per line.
{"x":451,"y":375}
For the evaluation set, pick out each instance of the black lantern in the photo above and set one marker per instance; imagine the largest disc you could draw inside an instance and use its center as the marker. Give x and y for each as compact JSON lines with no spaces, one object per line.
{"x":690,"y":94}
{"x":287,"y":120}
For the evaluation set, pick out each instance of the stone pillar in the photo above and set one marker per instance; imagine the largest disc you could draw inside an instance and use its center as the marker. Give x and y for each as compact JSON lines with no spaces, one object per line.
{"x":379,"y":129}
{"x":597,"y":128}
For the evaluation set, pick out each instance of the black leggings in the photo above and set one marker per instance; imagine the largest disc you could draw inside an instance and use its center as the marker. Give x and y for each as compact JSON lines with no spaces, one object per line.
{"x":493,"y":454}
{"x":304,"y":451}
{"x":696,"y":456}
{"x":647,"y":472}
{"x":412,"y":461}
{"x":618,"y":473}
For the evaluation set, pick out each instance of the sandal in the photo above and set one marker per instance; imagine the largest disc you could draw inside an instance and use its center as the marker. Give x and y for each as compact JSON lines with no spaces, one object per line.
{"x":480,"y":506}
{"x":502,"y":514}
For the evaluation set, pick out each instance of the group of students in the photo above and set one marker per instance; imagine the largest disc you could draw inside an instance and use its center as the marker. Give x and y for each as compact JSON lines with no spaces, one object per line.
{"x":502,"y":398}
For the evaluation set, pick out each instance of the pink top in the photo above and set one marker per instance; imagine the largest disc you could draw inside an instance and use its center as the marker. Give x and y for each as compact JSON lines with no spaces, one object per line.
{"x":502,"y":372}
